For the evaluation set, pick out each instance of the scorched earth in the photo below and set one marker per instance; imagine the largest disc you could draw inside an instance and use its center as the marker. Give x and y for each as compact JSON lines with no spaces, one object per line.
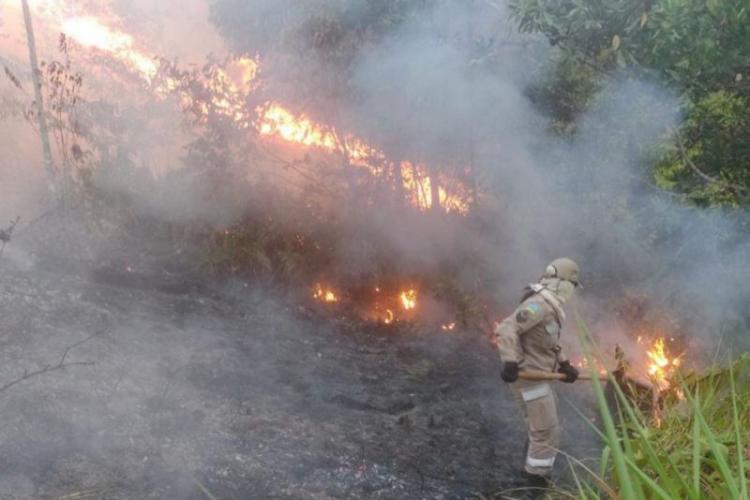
{"x":172,"y":390}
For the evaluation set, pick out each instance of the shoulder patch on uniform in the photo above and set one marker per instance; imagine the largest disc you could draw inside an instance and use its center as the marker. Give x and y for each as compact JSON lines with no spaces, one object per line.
{"x":529,"y":310}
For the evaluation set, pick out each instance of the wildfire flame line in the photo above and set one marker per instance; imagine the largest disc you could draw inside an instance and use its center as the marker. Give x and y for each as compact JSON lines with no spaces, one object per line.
{"x":229,"y":91}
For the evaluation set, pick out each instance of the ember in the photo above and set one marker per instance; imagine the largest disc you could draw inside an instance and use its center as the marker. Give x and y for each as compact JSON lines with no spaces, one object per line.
{"x":324,"y":294}
{"x":583,"y":365}
{"x":388,"y":319}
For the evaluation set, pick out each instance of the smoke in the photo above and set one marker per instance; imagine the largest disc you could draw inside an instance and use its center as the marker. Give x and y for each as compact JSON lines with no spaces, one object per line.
{"x":445,"y":84}
{"x":441,"y":83}
{"x":448,"y":86}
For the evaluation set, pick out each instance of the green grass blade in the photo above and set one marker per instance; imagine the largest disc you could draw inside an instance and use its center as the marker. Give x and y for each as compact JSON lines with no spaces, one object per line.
{"x":696,"y":455}
{"x":204,"y":490}
{"x":738,"y":438}
{"x":625,"y":482}
{"x":579,"y":486}
{"x":652,"y":485}
{"x":713,"y":444}
{"x":656,"y":460}
{"x":628,"y":447}
{"x":604,"y":461}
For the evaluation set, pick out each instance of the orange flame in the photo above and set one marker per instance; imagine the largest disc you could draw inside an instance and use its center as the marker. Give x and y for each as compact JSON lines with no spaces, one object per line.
{"x":583,"y":365}
{"x":276,"y":121}
{"x":661,"y":366}
{"x":90,"y":33}
{"x":408,"y":299}
{"x":229,"y":87}
{"x":324,"y":294}
{"x":389,"y":317}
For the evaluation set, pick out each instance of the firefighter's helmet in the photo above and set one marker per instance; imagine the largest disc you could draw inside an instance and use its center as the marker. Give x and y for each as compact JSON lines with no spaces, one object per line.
{"x":564,"y":269}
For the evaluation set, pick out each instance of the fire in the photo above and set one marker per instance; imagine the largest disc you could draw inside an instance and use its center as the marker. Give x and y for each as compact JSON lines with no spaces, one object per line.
{"x":448,"y":327}
{"x":583,"y":366}
{"x":408,"y":299}
{"x":418,"y":183}
{"x":389,"y":317}
{"x":277,"y":121}
{"x":388,"y":306}
{"x":90,"y":33}
{"x":661,"y":367}
{"x":240,"y":74}
{"x":229,"y":88}
{"x":324,"y":294}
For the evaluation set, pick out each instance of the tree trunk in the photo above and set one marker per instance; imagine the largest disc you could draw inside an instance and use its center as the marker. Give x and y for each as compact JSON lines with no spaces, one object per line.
{"x":41,"y":116}
{"x":434,"y":188}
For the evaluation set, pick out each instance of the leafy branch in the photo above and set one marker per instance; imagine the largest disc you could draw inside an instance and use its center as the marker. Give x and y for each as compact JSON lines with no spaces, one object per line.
{"x":700,"y":173}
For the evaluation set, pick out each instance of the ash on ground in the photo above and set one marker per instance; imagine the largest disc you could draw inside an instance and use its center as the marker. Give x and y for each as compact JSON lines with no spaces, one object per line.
{"x":239,"y":393}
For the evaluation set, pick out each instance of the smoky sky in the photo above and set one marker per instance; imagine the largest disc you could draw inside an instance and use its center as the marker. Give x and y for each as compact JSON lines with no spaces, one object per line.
{"x":449,"y":85}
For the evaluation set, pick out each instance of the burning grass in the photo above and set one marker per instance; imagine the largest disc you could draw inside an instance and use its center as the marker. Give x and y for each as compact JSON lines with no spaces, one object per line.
{"x":696,"y":448}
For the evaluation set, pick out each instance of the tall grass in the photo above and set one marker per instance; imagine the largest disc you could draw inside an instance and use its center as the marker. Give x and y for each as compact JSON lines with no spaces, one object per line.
{"x":697,"y":448}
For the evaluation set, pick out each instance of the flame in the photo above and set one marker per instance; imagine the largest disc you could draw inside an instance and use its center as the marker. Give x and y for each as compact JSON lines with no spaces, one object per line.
{"x":88,"y":32}
{"x":408,"y":299}
{"x":389,"y":317}
{"x":229,"y":88}
{"x":661,"y":367}
{"x":228,"y":85}
{"x":418,"y":183}
{"x":324,"y":294}
{"x":583,"y":366}
{"x":277,"y":121}
{"x":448,"y":326}
{"x":240,"y":74}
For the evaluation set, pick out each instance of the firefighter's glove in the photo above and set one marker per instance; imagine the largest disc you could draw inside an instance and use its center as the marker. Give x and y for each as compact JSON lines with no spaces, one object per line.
{"x":569,"y":370}
{"x":510,"y":371}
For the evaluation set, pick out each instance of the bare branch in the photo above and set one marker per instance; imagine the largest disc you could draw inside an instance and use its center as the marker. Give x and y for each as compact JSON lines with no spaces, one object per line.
{"x":61,"y":364}
{"x":708,"y":178}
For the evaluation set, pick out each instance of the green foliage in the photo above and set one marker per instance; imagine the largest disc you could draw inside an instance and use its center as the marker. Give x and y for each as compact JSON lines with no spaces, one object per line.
{"x":568,"y":91}
{"x":332,"y":30}
{"x":710,"y":157}
{"x":700,"y":48}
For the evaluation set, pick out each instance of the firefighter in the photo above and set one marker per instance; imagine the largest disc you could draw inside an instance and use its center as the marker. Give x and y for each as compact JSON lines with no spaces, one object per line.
{"x":530,"y":339}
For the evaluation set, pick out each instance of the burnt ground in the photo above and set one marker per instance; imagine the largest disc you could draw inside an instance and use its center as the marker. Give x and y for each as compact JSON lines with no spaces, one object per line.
{"x":245,"y":395}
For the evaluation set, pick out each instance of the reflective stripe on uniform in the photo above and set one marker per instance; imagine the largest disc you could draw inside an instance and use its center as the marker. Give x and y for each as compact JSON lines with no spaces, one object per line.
{"x":536,"y":392}
{"x":540,"y":462}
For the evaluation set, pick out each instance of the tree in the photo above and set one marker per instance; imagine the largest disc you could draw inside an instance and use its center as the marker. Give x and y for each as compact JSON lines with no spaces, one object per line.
{"x":700,"y":48}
